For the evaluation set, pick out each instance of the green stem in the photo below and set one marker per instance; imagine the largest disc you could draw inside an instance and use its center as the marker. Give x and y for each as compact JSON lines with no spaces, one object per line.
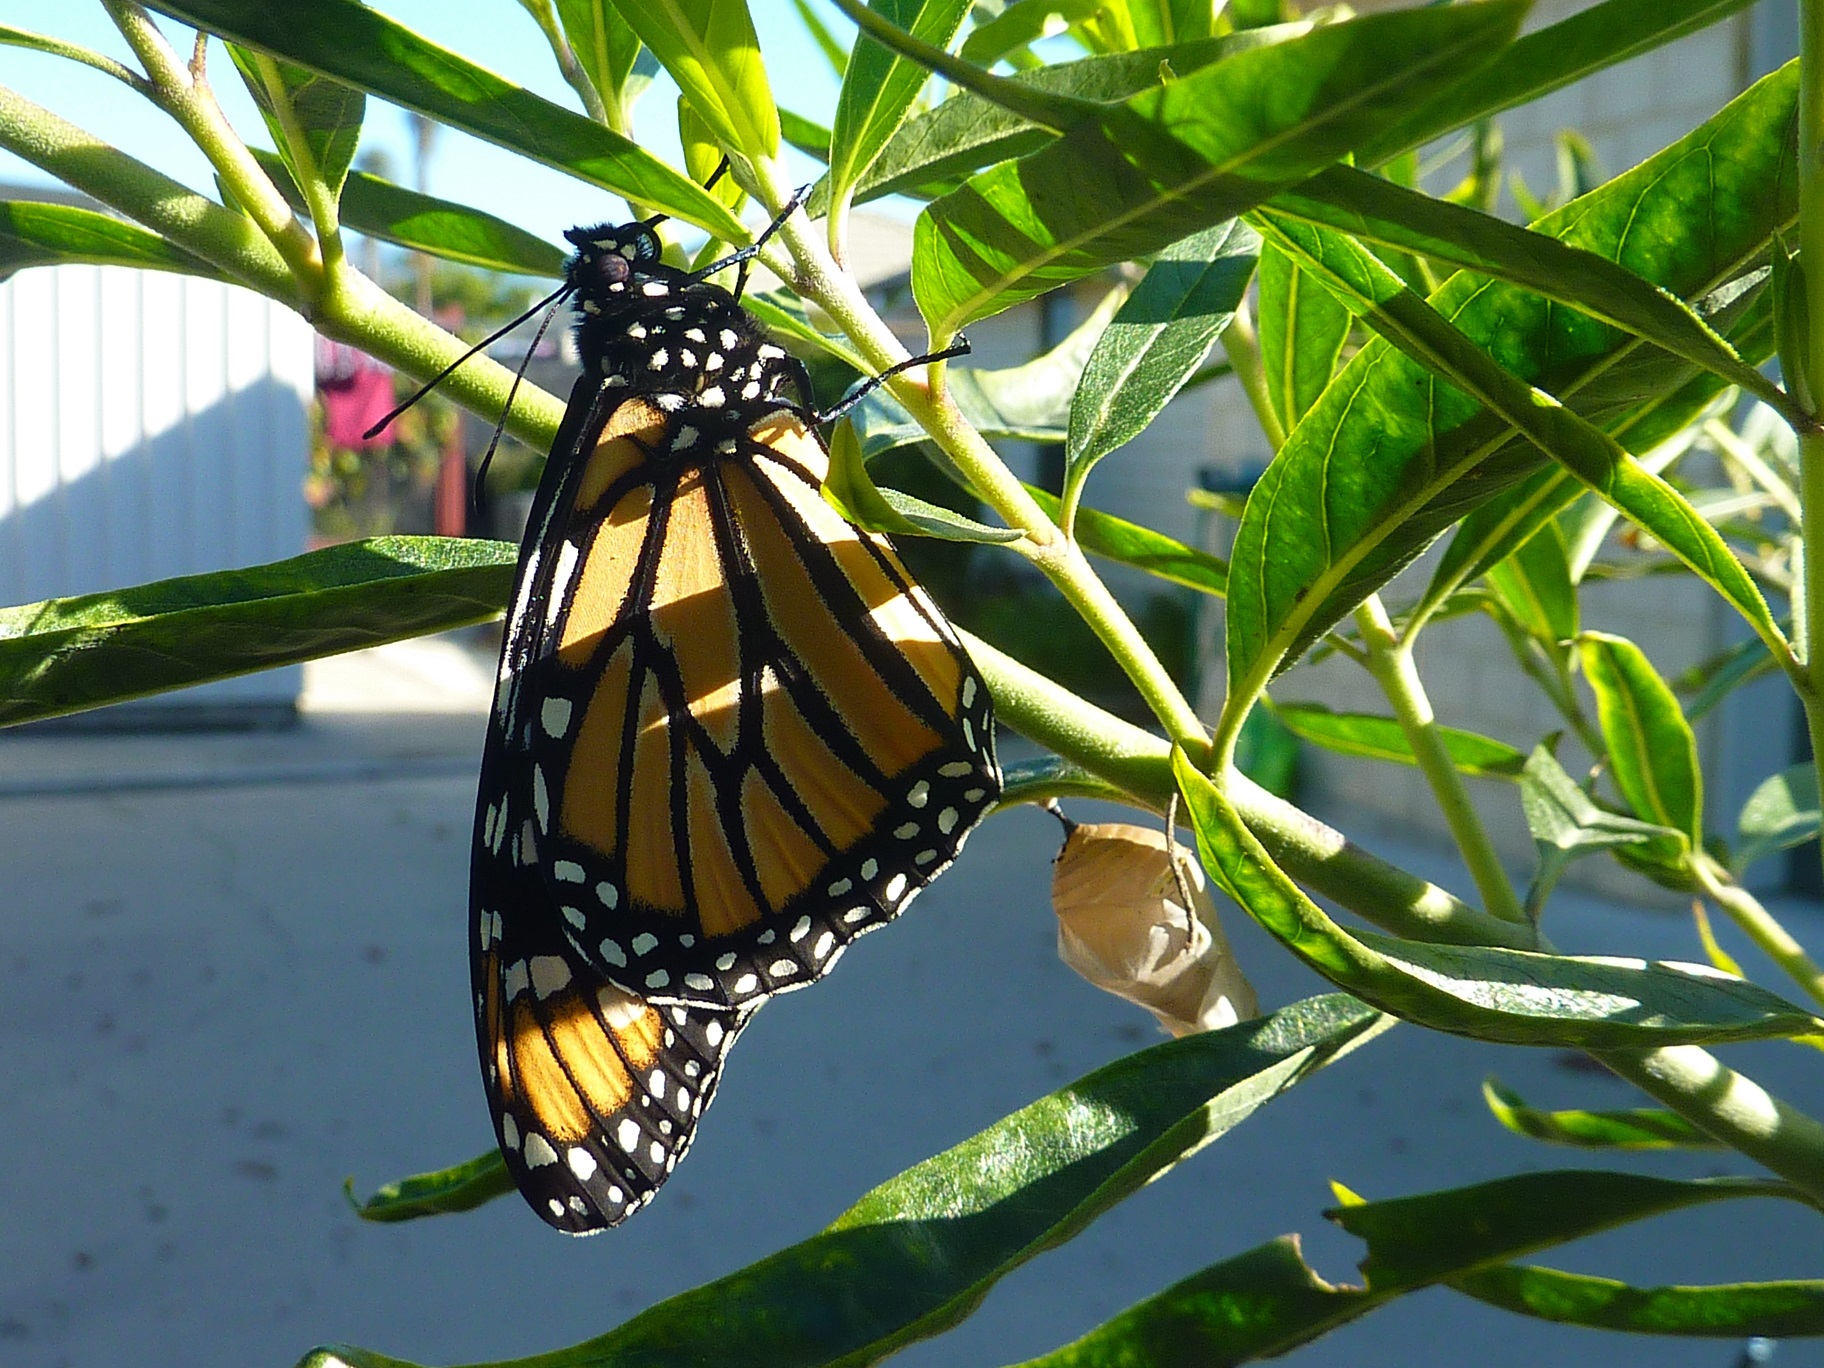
{"x":325,"y":212}
{"x":1734,"y":1109}
{"x":1811,"y":440}
{"x":1242,"y":345}
{"x":1391,"y":664}
{"x":1139,"y":763}
{"x":199,"y":225}
{"x":186,"y":97}
{"x":1761,"y":926}
{"x":574,"y":76}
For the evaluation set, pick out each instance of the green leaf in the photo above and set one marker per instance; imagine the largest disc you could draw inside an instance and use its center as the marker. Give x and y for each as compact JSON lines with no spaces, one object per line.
{"x":1103,"y":534}
{"x":34,"y":234}
{"x":1792,"y":323}
{"x":1046,"y":108}
{"x":1550,"y":58}
{"x":1173,"y":160}
{"x":1567,"y":824}
{"x":880,"y":86}
{"x":424,"y":223}
{"x":1413,"y":1240}
{"x":1777,"y":1310}
{"x":1302,"y":331}
{"x":461,"y":1188}
{"x":852,"y":492}
{"x":918,"y":1253}
{"x":1029,"y":401}
{"x":1380,"y":738}
{"x":787,"y":319}
{"x":833,"y":51}
{"x":1651,"y":747}
{"x":1516,"y":996}
{"x":1389,"y":456}
{"x":315,"y":122}
{"x":1376,"y":210}
{"x":367,"y":50}
{"x":1156,"y":342}
{"x":1535,"y":585}
{"x":967,"y":131}
{"x":710,"y":50}
{"x":1639,"y":1128}
{"x":606,"y":48}
{"x":807,"y":135}
{"x":1710,"y":681}
{"x":64,"y":655}
{"x":1267,"y":1301}
{"x":1023,"y":23}
{"x":1493,"y":531}
{"x":1782,"y":813}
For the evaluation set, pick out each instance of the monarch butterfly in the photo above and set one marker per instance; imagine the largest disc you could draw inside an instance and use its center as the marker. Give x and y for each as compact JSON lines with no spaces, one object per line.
{"x":730,"y":735}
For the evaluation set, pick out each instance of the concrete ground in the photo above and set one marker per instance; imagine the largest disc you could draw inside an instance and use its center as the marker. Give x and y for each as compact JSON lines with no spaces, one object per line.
{"x":234,"y":973}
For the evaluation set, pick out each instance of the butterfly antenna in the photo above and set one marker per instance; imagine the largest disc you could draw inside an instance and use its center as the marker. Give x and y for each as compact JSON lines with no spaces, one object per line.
{"x":495,"y":336}
{"x":481,"y":470}
{"x":960,"y":347}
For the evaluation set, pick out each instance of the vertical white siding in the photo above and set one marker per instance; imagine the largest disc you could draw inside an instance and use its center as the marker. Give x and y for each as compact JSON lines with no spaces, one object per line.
{"x":151,"y":425}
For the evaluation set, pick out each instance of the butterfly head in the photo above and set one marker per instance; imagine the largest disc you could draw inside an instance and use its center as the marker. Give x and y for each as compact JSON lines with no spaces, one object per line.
{"x":609,"y":256}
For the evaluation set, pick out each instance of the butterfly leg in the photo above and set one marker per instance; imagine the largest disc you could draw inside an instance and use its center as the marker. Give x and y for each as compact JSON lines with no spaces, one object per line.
{"x":960,"y":347}
{"x":743,"y":257}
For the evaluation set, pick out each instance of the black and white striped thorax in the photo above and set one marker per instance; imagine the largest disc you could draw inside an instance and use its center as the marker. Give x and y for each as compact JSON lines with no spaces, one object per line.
{"x":660,"y":332}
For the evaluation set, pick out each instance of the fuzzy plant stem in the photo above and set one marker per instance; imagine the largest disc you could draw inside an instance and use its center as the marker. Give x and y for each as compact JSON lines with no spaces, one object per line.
{"x":1393,"y":669}
{"x":1760,"y":925}
{"x":1811,"y":440}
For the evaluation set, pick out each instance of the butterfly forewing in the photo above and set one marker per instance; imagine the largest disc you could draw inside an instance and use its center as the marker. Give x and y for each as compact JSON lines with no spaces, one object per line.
{"x":731,"y":735}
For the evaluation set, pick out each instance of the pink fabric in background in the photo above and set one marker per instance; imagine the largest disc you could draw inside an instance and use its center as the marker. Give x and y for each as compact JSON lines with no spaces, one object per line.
{"x":356,"y":392}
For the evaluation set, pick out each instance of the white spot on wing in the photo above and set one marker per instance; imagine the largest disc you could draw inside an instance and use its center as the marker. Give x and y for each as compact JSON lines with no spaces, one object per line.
{"x":539,"y":1151}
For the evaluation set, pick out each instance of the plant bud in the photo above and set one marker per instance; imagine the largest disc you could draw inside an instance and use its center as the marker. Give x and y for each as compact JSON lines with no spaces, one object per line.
{"x":1122,"y":925}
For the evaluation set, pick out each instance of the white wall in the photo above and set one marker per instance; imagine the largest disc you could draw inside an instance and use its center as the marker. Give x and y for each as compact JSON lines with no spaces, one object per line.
{"x":151,"y":425}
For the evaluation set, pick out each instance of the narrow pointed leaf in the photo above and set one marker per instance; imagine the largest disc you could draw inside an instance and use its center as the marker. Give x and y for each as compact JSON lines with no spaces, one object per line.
{"x":710,"y":49}
{"x":1157,"y":341}
{"x":35,"y":234}
{"x":1413,"y":1240}
{"x":917,"y":1254}
{"x":460,"y":1188}
{"x":1376,"y":210}
{"x":1302,"y":331}
{"x":1651,"y":746}
{"x":1550,"y":58}
{"x":1173,"y":160}
{"x":367,"y":50}
{"x":1535,"y":585}
{"x":64,"y":655}
{"x":852,"y":492}
{"x":1103,"y":534}
{"x":880,"y":86}
{"x":1050,"y":109}
{"x":315,"y":122}
{"x":1516,"y":996}
{"x":1263,"y":1303}
{"x":424,"y":223}
{"x":967,"y":131}
{"x":1390,"y":455}
{"x":1776,"y":1310}
{"x":1638,"y":1128}
{"x":1780,"y":814}
{"x":1380,"y":738}
{"x":605,"y":47}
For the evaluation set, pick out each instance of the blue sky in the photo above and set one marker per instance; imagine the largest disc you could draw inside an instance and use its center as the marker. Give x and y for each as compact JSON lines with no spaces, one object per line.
{"x":497,"y":34}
